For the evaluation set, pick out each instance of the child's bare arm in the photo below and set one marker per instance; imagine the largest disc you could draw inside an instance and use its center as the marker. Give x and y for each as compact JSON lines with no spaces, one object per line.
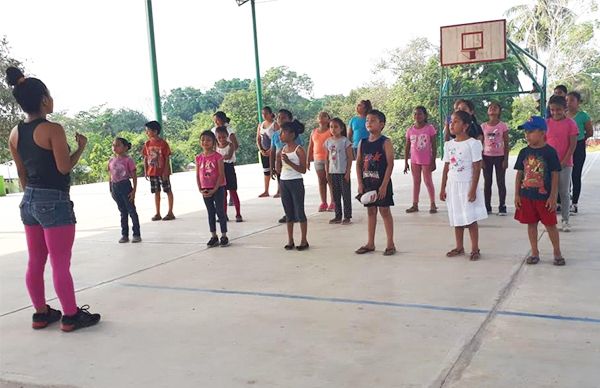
{"x":444,"y":181}
{"x":348,"y":162}
{"x":552,"y":199}
{"x":406,"y":155}
{"x":359,"y":169}
{"x":518,"y":180}
{"x":474,"y":180}
{"x":389,"y":156}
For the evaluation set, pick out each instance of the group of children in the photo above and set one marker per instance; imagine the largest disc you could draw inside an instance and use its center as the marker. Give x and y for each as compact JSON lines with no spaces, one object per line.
{"x":543,"y":170}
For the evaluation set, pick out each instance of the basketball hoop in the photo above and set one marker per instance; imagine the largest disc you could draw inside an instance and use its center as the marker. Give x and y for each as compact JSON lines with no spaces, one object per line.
{"x":473,"y":43}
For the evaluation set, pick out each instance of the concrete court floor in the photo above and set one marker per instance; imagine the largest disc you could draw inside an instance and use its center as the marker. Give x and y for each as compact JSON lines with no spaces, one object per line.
{"x":178,"y":315}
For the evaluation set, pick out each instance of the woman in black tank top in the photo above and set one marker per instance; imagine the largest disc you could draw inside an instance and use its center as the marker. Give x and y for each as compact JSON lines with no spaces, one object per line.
{"x":43,"y":161}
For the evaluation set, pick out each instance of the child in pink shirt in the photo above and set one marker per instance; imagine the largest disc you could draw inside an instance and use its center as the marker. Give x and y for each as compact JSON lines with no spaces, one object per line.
{"x":421,"y":146}
{"x":562,"y":136}
{"x":210,"y":177}
{"x":495,"y":156}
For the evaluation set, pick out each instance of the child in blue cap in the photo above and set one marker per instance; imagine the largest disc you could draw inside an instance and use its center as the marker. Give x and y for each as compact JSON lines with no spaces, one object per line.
{"x":536,"y":188}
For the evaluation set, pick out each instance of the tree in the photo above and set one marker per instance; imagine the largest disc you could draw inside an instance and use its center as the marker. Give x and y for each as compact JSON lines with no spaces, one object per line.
{"x":183,"y":103}
{"x":10,"y":113}
{"x":549,"y":29}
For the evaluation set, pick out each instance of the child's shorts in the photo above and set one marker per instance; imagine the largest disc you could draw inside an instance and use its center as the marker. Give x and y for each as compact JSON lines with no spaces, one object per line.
{"x":230,"y":176}
{"x":157,"y":181}
{"x":533,"y":211}
{"x":319,"y":165}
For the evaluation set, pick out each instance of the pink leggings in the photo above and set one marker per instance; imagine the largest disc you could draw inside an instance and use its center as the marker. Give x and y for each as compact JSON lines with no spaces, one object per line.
{"x":417,"y":169}
{"x":236,"y":201}
{"x":56,"y":242}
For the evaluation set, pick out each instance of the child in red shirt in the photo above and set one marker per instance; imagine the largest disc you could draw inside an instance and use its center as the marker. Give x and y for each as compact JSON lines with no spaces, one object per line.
{"x":157,"y":168}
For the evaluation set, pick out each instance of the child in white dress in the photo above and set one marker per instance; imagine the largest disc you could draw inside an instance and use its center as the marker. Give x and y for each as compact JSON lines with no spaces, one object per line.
{"x":464,"y":199}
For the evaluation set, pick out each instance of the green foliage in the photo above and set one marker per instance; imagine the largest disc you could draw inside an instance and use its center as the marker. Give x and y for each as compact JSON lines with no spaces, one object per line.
{"x":9,"y":109}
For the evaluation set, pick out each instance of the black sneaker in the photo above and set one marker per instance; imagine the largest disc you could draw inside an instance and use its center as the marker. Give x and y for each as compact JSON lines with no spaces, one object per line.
{"x":502,"y":211}
{"x":283,"y":220}
{"x":213,"y":242}
{"x":82,"y":319}
{"x":41,"y":320}
{"x":224,"y":241}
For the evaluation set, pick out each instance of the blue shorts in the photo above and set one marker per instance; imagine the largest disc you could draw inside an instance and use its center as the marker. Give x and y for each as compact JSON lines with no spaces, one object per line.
{"x":46,"y":207}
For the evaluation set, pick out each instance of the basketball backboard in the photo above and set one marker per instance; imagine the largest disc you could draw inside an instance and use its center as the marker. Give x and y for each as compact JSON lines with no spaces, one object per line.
{"x":473,"y":42}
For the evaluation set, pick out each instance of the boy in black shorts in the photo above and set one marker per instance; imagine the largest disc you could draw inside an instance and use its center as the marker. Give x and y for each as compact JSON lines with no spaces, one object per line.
{"x":157,"y":168}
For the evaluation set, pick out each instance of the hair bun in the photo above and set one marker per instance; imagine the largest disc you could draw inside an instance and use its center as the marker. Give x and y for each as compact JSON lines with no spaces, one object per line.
{"x":13,"y":75}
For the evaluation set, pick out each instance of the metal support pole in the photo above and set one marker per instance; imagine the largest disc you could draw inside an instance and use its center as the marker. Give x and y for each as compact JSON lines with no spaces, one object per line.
{"x":154,"y":68}
{"x":258,"y":81}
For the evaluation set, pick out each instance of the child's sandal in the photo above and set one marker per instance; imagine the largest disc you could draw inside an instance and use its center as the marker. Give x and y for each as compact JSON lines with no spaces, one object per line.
{"x":413,"y":209}
{"x":455,"y":252}
{"x":559,"y":261}
{"x":475,"y":255}
{"x":533,"y":260}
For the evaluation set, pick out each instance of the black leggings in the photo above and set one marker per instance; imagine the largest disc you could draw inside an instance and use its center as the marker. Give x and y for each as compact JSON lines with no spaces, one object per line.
{"x":578,"y":162}
{"x":215,"y":205}
{"x":489,"y":163}
{"x":341,"y":189}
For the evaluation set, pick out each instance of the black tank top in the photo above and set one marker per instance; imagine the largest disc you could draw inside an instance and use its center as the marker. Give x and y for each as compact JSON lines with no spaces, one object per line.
{"x":39,"y":163}
{"x":374,"y":162}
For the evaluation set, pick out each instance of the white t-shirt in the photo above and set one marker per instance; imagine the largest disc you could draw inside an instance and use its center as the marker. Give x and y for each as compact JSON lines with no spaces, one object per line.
{"x":223,"y":151}
{"x":461,"y":155}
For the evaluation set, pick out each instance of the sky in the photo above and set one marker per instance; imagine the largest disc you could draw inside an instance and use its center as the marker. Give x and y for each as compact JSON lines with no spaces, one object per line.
{"x":96,"y":52}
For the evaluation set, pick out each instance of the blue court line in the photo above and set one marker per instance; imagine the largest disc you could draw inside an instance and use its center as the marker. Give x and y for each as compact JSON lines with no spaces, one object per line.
{"x":365,"y":302}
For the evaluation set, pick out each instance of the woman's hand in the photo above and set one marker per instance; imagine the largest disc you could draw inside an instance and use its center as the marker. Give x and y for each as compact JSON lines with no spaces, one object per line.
{"x":81,"y":140}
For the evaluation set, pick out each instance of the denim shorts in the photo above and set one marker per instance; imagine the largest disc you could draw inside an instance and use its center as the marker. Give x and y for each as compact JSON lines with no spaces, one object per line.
{"x":46,"y":207}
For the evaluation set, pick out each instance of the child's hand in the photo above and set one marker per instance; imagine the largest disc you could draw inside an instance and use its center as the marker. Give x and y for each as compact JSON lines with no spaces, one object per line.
{"x":472,"y":195}
{"x":347,"y":177}
{"x":381,"y":193}
{"x":433,"y":166}
{"x":551,"y":204}
{"x":284,"y":157}
{"x":165,"y":176}
{"x":505,"y":163}
{"x":406,"y":168}
{"x":361,"y":189}
{"x":131,"y":197}
{"x":443,"y":195}
{"x":518,"y":202}
{"x":307,"y":165}
{"x":207,"y":193}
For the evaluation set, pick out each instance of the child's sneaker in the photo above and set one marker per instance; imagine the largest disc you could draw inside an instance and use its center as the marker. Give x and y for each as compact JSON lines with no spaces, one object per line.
{"x":239,"y":218}
{"x":83,"y":318}
{"x":335,"y":221}
{"x":156,"y":217}
{"x":213,"y":242}
{"x":331,"y":207}
{"x":573,"y":209}
{"x":323,"y":207}
{"x":123,"y":240}
{"x":347,"y":221}
{"x":502,"y":211}
{"x":136,"y":239}
{"x":565,"y":226}
{"x":224,"y":241}
{"x":41,"y":320}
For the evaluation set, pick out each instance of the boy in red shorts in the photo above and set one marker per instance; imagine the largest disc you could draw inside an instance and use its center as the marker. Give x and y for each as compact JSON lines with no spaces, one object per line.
{"x":536,"y":188}
{"x":157,"y":169}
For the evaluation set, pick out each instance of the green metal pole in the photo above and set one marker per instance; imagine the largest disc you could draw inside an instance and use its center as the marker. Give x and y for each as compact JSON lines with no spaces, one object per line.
{"x":156,"y":90}
{"x":258,"y":81}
